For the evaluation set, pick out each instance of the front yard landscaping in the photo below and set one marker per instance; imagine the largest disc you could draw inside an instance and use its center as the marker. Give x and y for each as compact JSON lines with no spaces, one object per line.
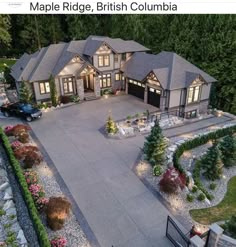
{"x":192,"y":173}
{"x":222,"y":211}
{"x":49,"y":209}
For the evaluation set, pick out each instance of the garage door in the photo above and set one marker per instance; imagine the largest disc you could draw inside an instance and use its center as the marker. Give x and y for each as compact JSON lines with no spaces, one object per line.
{"x":154,"y":96}
{"x":136,"y":90}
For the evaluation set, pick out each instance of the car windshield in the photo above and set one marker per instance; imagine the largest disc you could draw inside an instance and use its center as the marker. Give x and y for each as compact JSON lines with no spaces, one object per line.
{"x":27,"y":107}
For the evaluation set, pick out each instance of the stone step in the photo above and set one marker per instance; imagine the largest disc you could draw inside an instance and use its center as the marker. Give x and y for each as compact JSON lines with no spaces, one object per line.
{"x":90,"y":97}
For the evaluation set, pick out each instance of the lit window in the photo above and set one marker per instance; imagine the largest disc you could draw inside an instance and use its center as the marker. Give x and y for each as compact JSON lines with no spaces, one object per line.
{"x":193,"y":94}
{"x":117,"y":76}
{"x":104,"y":61}
{"x":105,"y":81}
{"x":68,"y":85}
{"x":44,"y":87}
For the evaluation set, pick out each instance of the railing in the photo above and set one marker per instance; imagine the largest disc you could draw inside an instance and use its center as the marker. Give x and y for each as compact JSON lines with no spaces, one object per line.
{"x":175,"y":234}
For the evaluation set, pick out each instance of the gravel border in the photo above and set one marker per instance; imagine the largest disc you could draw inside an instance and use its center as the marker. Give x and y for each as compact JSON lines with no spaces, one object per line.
{"x":23,"y":216}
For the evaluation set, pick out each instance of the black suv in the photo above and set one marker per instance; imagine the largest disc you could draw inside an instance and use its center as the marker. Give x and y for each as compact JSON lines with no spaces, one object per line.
{"x":26,"y":111}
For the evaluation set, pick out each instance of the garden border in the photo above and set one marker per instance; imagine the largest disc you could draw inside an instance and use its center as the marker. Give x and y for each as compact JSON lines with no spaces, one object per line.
{"x":33,"y":212}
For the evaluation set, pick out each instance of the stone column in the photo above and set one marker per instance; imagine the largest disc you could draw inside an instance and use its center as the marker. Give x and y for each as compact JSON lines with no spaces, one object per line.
{"x":215,"y":234}
{"x":126,"y":86}
{"x":61,"y":86}
{"x":97,"y":89}
{"x":146,"y":94}
{"x":80,"y":88}
{"x":162,"y":103}
{"x":196,"y":241}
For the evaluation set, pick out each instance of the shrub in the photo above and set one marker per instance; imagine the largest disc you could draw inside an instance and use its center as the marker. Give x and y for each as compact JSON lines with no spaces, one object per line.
{"x":194,"y":189}
{"x":74,"y":98}
{"x":212,"y":164}
{"x":20,"y":128}
{"x":8,"y":130}
{"x":212,"y":186}
{"x":58,"y":242}
{"x":65,"y":99}
{"x":23,"y":137}
{"x":157,"y":170}
{"x":230,"y":226}
{"x":172,"y":181}
{"x":190,"y":198}
{"x":41,"y":203}
{"x":228,"y":150}
{"x":57,"y":211}
{"x":31,"y":177}
{"x":36,"y":191}
{"x":111,"y":127}
{"x":15,"y":145}
{"x":29,"y":155}
{"x":201,"y":197}
{"x":39,"y":227}
{"x":155,"y":146}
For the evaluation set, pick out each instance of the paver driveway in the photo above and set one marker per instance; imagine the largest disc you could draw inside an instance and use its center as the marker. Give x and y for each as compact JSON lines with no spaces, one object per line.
{"x":120,"y":210}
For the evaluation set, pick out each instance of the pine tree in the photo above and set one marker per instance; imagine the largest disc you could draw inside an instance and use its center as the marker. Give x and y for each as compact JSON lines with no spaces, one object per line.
{"x":25,"y":95}
{"x":228,"y":151}
{"x":212,"y":163}
{"x":155,"y":146}
{"x":111,"y":127}
{"x":53,"y":91}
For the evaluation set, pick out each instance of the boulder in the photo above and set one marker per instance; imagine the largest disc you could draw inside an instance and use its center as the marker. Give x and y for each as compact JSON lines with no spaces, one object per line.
{"x":4,"y":186}
{"x":11,"y":211}
{"x":21,"y":238}
{"x":8,"y":204}
{"x":15,"y":227}
{"x":7,"y":197}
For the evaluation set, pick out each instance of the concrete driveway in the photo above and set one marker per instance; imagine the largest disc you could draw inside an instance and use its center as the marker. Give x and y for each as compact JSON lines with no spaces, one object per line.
{"x":119,"y":209}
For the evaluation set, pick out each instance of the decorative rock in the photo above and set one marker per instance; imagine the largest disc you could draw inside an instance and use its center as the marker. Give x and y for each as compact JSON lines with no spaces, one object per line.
{"x":4,"y":186}
{"x":11,"y":211}
{"x":9,"y":191}
{"x":7,"y":197}
{"x":207,"y":201}
{"x":21,"y":238}
{"x":3,"y":174}
{"x":8,"y":204}
{"x":15,"y":227}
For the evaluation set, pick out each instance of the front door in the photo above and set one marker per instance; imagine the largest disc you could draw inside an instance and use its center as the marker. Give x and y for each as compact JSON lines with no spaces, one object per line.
{"x":87,"y":85}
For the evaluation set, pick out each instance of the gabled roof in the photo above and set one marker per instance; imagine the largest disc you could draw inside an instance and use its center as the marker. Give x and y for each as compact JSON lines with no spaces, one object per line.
{"x":173,"y":71}
{"x":52,"y":59}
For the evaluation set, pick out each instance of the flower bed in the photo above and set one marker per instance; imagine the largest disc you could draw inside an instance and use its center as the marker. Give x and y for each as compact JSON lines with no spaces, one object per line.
{"x":39,"y":227}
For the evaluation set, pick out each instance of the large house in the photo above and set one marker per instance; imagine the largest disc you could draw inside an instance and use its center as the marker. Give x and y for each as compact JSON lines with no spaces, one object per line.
{"x":87,"y":67}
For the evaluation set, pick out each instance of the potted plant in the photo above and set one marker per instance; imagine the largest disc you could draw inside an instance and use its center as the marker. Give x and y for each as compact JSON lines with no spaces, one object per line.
{"x":128,"y":119}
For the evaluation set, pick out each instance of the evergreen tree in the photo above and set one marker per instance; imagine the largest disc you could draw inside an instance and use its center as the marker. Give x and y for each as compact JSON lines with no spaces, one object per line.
{"x":155,"y":146}
{"x":5,"y":37}
{"x":111,"y":127}
{"x":8,"y":78}
{"x":53,"y":91}
{"x":212,"y":163}
{"x":228,"y":151}
{"x":230,"y":226}
{"x":25,"y":95}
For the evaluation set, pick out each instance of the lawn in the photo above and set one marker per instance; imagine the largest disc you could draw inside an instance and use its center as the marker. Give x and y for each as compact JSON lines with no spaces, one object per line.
{"x":223,"y":211}
{"x":3,"y":61}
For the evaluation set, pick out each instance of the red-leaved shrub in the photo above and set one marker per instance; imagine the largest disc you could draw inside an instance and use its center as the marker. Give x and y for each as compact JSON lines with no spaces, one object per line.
{"x":58,"y":242}
{"x":172,"y":181}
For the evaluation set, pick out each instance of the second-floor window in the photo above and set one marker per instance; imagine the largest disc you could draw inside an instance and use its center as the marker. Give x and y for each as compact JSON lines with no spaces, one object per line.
{"x":123,"y":56}
{"x":68,"y":85}
{"x":44,"y":87}
{"x":116,"y":58}
{"x":193,"y":94}
{"x":104,"y":61}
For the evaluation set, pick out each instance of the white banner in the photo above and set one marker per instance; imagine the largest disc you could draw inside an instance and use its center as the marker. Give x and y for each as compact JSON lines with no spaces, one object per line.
{"x":118,"y":7}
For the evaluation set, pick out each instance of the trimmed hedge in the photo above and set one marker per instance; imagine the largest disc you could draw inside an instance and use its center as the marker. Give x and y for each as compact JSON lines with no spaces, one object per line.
{"x":38,"y":225}
{"x":198,"y":141}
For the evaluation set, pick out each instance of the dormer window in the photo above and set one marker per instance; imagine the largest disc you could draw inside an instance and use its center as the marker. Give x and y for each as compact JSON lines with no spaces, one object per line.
{"x":123,"y":56}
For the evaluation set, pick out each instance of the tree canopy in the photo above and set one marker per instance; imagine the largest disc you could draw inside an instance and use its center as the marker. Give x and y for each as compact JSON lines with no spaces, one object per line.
{"x":208,"y":41}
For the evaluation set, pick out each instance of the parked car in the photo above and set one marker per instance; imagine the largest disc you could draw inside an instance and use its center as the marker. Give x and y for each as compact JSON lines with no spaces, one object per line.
{"x":3,"y":99}
{"x":26,"y":111}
